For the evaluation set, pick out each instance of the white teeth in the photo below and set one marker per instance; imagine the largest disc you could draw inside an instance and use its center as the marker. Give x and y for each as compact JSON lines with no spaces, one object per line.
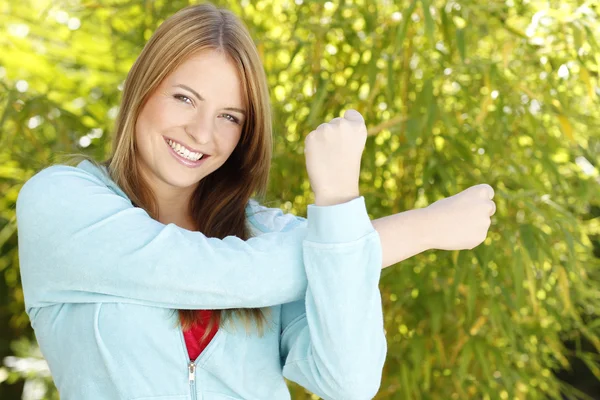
{"x":185,"y":153}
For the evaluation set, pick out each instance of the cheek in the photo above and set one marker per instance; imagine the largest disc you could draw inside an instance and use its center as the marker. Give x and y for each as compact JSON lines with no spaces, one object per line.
{"x":146,"y":126}
{"x":142,"y":144}
{"x":142,"y":134}
{"x":230,"y":138}
{"x":159,"y":114}
{"x":143,"y":122}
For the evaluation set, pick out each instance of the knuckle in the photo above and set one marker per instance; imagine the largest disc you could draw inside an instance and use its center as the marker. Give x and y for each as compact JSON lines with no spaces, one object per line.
{"x":322,"y":126}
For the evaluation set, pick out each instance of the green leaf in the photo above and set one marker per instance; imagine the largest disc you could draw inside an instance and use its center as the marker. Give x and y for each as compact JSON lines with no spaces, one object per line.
{"x":464,"y":361}
{"x":460,"y":43}
{"x":372,"y":70}
{"x":412,"y":130}
{"x":391,"y":82}
{"x":480,"y":348}
{"x":472,"y":290}
{"x":316,"y":108}
{"x":518,"y":275}
{"x":460,"y":272}
{"x":436,"y":310}
{"x":446,"y":23}
{"x":429,"y":24}
{"x":430,"y":118}
{"x":406,"y":386}
{"x":403,"y":27}
{"x":426,"y":373}
{"x":529,"y":241}
{"x":8,"y":231}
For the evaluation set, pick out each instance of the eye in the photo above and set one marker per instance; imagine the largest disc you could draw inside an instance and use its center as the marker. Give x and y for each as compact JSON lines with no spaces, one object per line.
{"x":231,"y":118}
{"x":181,"y":96}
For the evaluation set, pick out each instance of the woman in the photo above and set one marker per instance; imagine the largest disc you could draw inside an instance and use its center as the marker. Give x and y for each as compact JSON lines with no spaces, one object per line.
{"x":108,"y":251}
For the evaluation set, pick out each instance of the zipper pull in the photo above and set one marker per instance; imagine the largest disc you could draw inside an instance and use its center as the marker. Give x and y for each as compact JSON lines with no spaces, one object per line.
{"x":192,"y":371}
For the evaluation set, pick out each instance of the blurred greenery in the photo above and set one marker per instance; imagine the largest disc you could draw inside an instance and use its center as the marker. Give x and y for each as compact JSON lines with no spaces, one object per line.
{"x":454,"y":93}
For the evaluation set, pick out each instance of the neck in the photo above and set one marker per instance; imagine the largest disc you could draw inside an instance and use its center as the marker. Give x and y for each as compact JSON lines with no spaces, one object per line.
{"x":174,"y":205}
{"x":173,"y":202}
{"x":173,"y":208}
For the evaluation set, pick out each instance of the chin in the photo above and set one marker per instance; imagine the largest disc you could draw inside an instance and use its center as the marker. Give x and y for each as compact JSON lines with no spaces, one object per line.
{"x":180,"y":180}
{"x":184,"y":183}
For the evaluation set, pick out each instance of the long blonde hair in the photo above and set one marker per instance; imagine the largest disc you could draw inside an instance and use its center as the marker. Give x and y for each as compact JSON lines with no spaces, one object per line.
{"x":218,"y":204}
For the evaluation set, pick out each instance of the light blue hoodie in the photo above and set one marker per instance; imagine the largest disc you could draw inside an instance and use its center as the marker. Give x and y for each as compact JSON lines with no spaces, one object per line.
{"x":102,"y":279}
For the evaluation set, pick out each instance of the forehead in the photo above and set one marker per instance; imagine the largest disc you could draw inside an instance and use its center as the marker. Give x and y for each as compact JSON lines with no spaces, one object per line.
{"x":213,"y":74}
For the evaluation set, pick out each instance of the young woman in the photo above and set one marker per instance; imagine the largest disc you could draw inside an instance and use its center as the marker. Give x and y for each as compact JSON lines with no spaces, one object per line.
{"x":154,"y":275}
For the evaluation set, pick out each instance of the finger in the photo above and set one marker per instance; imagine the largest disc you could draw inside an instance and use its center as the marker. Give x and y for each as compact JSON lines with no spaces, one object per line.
{"x":321,"y":127}
{"x":486,"y":191}
{"x":354,"y":116}
{"x":492,"y":207}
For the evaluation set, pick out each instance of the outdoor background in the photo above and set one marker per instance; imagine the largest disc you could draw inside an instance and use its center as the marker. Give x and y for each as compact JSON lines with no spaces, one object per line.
{"x":455,"y":93}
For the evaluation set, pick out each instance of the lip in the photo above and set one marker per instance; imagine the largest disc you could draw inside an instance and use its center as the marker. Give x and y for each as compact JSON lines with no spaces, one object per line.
{"x":185,"y":161}
{"x":187,"y":147}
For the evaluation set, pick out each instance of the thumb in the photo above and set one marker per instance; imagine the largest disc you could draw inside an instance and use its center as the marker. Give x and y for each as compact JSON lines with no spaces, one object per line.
{"x":354,"y":116}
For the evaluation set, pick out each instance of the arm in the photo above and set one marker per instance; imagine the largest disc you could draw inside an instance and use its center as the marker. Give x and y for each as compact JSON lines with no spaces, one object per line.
{"x":458,"y":222}
{"x":81,"y":242}
{"x":333,"y":341}
{"x":403,"y":235}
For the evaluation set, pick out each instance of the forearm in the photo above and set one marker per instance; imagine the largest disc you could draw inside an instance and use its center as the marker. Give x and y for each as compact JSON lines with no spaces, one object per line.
{"x":403,"y":235}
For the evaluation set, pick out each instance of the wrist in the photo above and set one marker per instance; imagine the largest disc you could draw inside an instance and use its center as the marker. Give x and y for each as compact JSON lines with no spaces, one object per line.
{"x":332,"y":200}
{"x":426,"y":227}
{"x":342,"y":224}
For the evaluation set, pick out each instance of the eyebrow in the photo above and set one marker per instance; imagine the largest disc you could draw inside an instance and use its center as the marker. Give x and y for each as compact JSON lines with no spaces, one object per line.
{"x":181,"y":85}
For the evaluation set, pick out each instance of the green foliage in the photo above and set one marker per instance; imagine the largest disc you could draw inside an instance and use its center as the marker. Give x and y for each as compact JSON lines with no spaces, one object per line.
{"x":454,"y":94}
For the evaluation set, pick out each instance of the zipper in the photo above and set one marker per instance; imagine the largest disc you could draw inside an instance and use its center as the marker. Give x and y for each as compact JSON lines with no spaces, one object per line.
{"x":191,"y":364}
{"x":192,"y":378}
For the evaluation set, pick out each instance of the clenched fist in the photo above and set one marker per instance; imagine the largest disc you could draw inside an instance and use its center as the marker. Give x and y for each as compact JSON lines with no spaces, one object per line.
{"x":333,"y":152}
{"x":461,"y":222}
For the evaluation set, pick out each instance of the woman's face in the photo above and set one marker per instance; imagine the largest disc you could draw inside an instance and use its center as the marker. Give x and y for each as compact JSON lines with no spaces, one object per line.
{"x":192,"y":123}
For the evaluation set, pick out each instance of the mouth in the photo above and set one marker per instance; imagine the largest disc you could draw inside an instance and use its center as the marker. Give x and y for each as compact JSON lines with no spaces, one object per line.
{"x":184,"y":156}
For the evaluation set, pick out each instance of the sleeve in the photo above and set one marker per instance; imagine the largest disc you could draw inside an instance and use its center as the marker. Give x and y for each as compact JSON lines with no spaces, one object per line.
{"x":79,"y":242}
{"x":333,"y":341}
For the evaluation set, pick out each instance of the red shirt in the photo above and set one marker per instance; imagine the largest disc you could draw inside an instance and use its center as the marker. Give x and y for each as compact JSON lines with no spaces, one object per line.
{"x":192,"y":336}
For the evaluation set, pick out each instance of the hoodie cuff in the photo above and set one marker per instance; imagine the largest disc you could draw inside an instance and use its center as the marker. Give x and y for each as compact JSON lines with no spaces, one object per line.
{"x":340,"y":223}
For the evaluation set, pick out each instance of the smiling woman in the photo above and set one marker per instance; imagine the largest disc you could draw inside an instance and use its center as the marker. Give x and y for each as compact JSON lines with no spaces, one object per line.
{"x":197,"y":88}
{"x":140,"y":272}
{"x":109,"y":250}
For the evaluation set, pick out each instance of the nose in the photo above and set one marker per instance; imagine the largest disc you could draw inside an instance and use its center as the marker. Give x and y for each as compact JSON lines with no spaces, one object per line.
{"x":200,"y":130}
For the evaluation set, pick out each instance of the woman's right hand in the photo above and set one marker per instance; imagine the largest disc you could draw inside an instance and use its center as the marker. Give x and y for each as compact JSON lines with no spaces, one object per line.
{"x":333,"y":152}
{"x":462,"y":221}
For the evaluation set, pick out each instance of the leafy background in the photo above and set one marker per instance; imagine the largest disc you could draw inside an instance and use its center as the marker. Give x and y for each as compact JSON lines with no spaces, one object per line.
{"x":454,"y":93}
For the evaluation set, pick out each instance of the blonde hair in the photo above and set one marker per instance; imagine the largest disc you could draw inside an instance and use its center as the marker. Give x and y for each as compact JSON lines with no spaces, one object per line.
{"x":218,"y":204}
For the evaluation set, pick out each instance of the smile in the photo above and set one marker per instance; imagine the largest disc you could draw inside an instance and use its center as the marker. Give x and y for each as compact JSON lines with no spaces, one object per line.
{"x":184,"y":155}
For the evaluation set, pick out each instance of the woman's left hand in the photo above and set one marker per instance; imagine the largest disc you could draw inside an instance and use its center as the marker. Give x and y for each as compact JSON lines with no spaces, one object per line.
{"x":333,"y":152}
